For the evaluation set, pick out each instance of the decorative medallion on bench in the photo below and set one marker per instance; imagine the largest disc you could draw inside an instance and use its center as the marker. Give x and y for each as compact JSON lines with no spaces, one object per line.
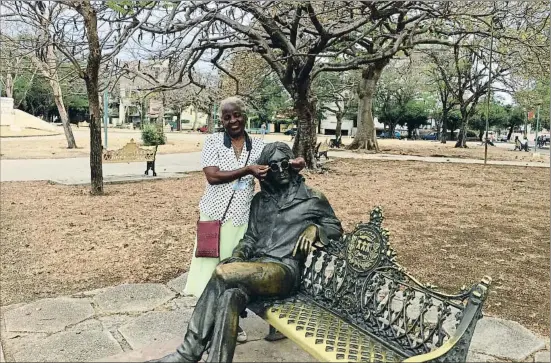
{"x":357,"y":304}
{"x":130,"y":153}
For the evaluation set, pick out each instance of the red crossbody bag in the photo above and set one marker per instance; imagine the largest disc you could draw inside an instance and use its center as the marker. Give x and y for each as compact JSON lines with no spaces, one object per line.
{"x":208,"y":232}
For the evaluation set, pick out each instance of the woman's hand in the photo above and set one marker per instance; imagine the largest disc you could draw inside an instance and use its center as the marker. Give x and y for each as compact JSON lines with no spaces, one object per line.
{"x":258,"y":171}
{"x":298,"y":164}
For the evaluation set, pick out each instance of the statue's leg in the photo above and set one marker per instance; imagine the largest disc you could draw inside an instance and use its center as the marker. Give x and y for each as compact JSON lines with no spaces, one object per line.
{"x":224,"y":338}
{"x":247,"y":279}
{"x":201,"y":324}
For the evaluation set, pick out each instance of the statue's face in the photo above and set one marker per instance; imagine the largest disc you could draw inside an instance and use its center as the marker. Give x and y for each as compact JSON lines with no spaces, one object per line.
{"x":279,"y":169}
{"x":233,"y":119}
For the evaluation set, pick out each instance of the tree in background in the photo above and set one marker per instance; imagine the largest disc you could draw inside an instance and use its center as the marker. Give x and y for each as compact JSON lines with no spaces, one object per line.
{"x":301,"y":40}
{"x":36,"y":44}
{"x":335,"y":94}
{"x":498,"y":117}
{"x":69,"y":29}
{"x":246,"y":74}
{"x":399,"y":98}
{"x":437,"y":72}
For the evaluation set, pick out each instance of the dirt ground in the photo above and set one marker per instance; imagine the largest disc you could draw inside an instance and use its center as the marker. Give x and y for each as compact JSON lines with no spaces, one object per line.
{"x":7,"y":132}
{"x":183,"y":142}
{"x":55,"y":147}
{"x":450,"y":224}
{"x":474,"y":151}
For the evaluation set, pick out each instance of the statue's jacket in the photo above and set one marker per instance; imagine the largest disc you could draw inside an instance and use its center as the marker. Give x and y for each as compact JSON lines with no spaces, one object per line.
{"x":276,"y":223}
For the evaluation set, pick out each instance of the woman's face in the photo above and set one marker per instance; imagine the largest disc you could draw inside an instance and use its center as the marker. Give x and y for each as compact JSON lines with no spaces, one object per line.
{"x":233,"y":119}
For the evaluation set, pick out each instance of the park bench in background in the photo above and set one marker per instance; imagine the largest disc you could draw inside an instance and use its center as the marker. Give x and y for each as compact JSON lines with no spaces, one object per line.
{"x":321,"y":149}
{"x":355,"y":303}
{"x":131,"y":153}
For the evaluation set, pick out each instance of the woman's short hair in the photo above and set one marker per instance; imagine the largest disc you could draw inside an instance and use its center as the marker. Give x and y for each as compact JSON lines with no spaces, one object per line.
{"x":271,"y":148}
{"x":234,"y":100}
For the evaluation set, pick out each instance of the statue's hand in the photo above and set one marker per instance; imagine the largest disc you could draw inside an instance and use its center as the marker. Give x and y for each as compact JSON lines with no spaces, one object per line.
{"x":231,"y":260}
{"x":305,"y":243}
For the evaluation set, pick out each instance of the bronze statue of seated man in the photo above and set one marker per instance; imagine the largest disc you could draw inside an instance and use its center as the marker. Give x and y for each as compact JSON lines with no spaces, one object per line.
{"x":287,"y":219}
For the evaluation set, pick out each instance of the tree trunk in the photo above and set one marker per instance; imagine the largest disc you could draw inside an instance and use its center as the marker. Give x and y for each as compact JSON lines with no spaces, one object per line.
{"x":510,"y":132}
{"x":480,"y":134}
{"x":462,"y":137}
{"x":444,"y":135}
{"x":365,"y":136}
{"x":161,"y":115}
{"x":410,"y":133}
{"x":91,"y":79}
{"x":48,"y":67}
{"x":179,"y":120}
{"x":210,"y":124}
{"x":318,"y":124}
{"x":58,"y":98}
{"x":306,"y":137}
{"x":194,"y":118}
{"x":9,"y":86}
{"x":338,"y":129}
{"x":391,"y":130}
{"x":96,"y":169}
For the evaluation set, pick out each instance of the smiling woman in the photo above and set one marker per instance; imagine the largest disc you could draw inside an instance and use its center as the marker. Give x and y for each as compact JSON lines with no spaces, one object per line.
{"x":229,"y":161}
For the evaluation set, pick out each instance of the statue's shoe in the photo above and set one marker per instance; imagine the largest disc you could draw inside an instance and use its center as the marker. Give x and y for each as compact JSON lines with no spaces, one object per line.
{"x":172,"y":358}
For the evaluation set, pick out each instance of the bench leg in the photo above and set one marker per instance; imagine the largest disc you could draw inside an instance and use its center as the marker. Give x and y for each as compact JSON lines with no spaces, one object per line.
{"x":150,"y":165}
{"x":274,"y":335}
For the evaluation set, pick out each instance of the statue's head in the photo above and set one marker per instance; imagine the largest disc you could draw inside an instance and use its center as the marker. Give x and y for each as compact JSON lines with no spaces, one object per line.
{"x":277,"y":156}
{"x":233,"y":113}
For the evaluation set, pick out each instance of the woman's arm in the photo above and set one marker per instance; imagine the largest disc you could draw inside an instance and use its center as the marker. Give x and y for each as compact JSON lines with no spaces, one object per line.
{"x":210,"y":161}
{"x":216,"y":176}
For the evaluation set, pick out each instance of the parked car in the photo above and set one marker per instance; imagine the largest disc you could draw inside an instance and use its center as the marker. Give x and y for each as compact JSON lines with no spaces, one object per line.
{"x":385,"y":135}
{"x":292,"y":131}
{"x":431,"y":136}
{"x":502,"y":138}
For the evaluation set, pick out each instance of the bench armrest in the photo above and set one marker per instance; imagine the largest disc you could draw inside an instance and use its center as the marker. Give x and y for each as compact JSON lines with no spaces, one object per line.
{"x":457,"y":347}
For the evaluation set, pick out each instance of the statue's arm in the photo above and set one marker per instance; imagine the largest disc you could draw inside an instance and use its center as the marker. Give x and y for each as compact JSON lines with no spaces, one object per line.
{"x":329,"y":226}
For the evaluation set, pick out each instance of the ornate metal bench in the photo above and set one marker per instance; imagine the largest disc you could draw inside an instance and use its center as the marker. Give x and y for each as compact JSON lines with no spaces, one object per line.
{"x":356,"y":303}
{"x":131,"y":152}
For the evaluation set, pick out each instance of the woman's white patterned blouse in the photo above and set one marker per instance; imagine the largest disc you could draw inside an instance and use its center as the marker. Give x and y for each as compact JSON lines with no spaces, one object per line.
{"x":218,"y":151}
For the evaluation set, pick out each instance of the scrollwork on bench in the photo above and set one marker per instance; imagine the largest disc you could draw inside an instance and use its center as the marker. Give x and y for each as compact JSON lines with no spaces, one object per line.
{"x":131,"y":152}
{"x":359,"y":280}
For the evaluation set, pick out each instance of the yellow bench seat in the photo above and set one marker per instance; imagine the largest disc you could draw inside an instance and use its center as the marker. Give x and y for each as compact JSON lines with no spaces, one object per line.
{"x":325,"y":336}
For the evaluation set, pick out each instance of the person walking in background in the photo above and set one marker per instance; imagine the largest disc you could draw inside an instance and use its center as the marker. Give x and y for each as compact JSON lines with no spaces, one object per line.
{"x":525,"y":145}
{"x":263,"y":129}
{"x":518,"y":144}
{"x":229,"y":161}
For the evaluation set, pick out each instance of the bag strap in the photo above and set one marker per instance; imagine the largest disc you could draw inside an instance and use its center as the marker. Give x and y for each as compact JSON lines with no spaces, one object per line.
{"x":233,"y":194}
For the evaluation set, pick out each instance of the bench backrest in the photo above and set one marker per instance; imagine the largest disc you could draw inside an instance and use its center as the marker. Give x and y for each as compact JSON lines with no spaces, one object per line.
{"x":129,"y":152}
{"x":358,"y":279}
{"x":322,"y":146}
